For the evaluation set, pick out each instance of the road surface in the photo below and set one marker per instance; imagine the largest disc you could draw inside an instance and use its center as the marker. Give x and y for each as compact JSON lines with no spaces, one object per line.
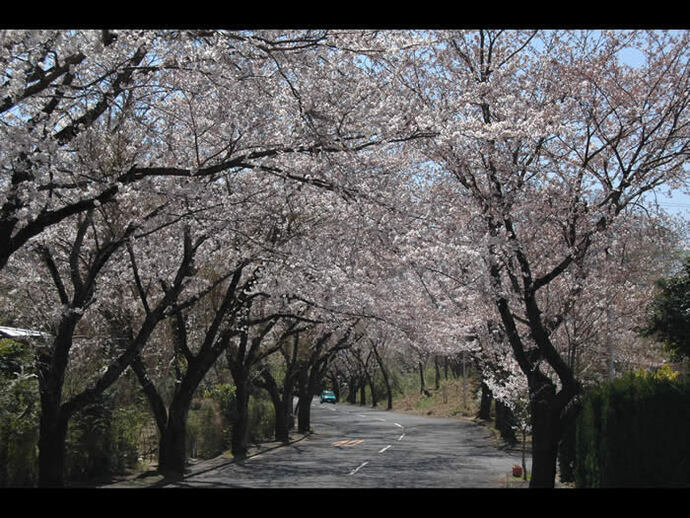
{"x":359,"y":447}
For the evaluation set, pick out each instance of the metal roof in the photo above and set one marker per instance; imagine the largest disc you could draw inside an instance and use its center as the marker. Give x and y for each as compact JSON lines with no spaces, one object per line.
{"x":15,"y":332}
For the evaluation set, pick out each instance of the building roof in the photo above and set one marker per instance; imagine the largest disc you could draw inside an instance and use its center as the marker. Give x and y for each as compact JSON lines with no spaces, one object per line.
{"x":15,"y":332}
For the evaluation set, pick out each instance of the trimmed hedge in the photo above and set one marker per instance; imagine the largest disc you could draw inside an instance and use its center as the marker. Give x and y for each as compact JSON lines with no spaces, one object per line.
{"x":634,"y":432}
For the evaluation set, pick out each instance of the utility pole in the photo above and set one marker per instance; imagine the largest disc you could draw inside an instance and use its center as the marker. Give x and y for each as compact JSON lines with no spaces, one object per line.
{"x":464,"y":383}
{"x":612,"y":371}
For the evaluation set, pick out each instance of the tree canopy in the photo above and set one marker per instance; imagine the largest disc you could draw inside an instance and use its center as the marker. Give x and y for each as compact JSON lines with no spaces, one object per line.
{"x":167,"y":196}
{"x":668,"y":317}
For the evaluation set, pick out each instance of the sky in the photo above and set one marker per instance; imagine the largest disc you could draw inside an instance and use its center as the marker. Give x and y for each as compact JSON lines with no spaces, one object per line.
{"x":678,"y":203}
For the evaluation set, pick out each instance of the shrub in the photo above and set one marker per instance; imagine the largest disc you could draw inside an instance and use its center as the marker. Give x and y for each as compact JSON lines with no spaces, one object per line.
{"x":88,"y":444}
{"x":128,"y":423}
{"x":261,"y":419}
{"x":633,"y":433}
{"x":19,"y":434}
{"x":224,"y":396}
{"x":103,"y":439}
{"x":205,"y":430}
{"x":19,"y":410}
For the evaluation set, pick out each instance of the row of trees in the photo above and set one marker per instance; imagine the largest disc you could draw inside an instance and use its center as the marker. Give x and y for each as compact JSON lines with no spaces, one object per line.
{"x":171,"y":197}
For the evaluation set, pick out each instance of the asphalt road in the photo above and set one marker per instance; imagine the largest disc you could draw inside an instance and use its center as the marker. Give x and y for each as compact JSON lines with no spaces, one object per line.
{"x":359,"y":447}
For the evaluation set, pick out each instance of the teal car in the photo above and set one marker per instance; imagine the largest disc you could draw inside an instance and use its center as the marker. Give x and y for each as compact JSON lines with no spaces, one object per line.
{"x":327,"y":396}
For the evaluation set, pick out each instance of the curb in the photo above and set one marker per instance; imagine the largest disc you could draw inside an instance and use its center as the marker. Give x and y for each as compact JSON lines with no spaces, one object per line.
{"x":198,"y":468}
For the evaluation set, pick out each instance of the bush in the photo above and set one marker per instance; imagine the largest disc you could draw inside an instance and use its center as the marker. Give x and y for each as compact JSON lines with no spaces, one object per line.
{"x":103,"y":440}
{"x":128,"y":423}
{"x":261,"y":419}
{"x":223,"y":394}
{"x":19,"y":410}
{"x":633,"y":433}
{"x":205,"y":430}
{"x":89,"y":443}
{"x":19,"y":434}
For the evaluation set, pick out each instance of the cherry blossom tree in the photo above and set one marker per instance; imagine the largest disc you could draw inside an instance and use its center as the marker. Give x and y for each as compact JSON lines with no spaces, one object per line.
{"x":381,"y":339}
{"x":466,"y":191}
{"x":551,"y":131}
{"x":88,"y":116}
{"x":281,"y":391}
{"x":258,"y":339}
{"x":60,"y":90}
{"x":68,"y":282}
{"x":174,"y":104}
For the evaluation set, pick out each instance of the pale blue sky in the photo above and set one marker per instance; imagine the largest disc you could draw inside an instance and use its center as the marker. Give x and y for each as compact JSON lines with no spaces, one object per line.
{"x":679,"y":202}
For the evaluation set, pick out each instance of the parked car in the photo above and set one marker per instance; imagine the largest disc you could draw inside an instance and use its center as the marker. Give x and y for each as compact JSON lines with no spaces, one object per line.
{"x":327,"y":396}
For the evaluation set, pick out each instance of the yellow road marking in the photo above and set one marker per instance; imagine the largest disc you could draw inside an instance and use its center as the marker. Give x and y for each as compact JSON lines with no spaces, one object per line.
{"x":348,"y":442}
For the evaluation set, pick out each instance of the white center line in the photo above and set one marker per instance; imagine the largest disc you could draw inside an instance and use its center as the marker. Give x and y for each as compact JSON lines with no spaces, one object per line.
{"x":384,"y":449}
{"x":358,"y":468}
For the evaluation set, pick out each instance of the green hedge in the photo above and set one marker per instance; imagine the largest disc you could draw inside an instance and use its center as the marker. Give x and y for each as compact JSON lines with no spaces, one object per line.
{"x":634,"y":432}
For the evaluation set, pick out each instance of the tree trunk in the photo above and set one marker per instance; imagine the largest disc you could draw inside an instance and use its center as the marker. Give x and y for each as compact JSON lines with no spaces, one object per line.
{"x":524,"y":454}
{"x":546,"y":407}
{"x":384,"y":373}
{"x":171,"y":423}
{"x":172,"y":452}
{"x":437,"y":371}
{"x":352,"y":394}
{"x":283,"y":407}
{"x":303,"y":414}
{"x":282,"y":424}
{"x":505,"y":420}
{"x":54,"y":419}
{"x":566,"y":452}
{"x":372,"y":388}
{"x":389,"y":395}
{"x":336,"y":386}
{"x":485,"y":403}
{"x":51,"y":446}
{"x":546,"y":433}
{"x":422,"y":387}
{"x":282,"y":404}
{"x":240,"y":429}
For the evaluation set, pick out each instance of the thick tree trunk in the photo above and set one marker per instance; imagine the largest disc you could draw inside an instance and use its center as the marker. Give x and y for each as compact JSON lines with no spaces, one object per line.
{"x":282,"y":425}
{"x":304,"y":414}
{"x":282,"y":404}
{"x":505,"y":422}
{"x":51,"y":445}
{"x":282,"y":417}
{"x":240,"y":428}
{"x":485,"y":403}
{"x":308,"y":380}
{"x":546,"y":434}
{"x":171,"y":423}
{"x":54,"y":419}
{"x":172,"y":452}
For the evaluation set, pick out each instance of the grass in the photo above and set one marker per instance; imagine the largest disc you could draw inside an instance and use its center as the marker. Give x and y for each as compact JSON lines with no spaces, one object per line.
{"x":453,"y":398}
